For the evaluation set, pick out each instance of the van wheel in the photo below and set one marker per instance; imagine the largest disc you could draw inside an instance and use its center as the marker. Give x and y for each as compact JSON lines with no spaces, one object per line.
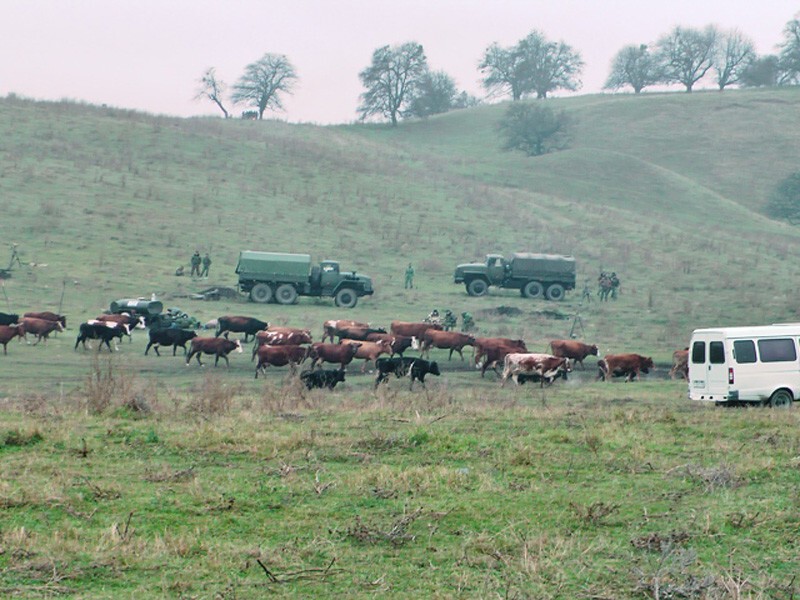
{"x":261,"y":292}
{"x":533,"y":289}
{"x":781,"y":399}
{"x":286,"y":294}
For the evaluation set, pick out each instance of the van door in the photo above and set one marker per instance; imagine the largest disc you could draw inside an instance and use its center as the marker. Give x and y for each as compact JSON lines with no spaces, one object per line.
{"x":708,"y":373}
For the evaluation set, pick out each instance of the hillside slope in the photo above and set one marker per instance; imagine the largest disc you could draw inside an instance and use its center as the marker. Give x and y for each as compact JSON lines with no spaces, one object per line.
{"x":664,"y":189}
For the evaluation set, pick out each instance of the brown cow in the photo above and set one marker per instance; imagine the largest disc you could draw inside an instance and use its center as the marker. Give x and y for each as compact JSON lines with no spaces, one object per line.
{"x":8,"y":333}
{"x":220,"y":347}
{"x":342,"y":354}
{"x":451,"y":340}
{"x":400,"y":343}
{"x":545,"y":366}
{"x":412,"y":329}
{"x":125,"y":319}
{"x":680,"y":364}
{"x":280,"y":356}
{"x":369,"y":351}
{"x":330,"y":328}
{"x":494,"y":350}
{"x":281,"y":336}
{"x":629,"y":365}
{"x":48,"y":316}
{"x":572,"y":349}
{"x":40,"y":328}
{"x":358,"y":334}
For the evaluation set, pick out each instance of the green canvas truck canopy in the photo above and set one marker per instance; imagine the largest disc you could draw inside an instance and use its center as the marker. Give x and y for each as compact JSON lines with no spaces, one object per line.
{"x":522,"y":262}
{"x":280,"y":264}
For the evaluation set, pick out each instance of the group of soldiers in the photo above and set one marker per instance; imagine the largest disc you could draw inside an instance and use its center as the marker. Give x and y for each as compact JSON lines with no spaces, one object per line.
{"x":449,"y":321}
{"x":197,"y":261}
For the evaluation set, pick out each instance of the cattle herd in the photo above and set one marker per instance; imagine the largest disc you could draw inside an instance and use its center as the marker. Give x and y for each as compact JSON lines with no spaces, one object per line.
{"x":278,"y":346}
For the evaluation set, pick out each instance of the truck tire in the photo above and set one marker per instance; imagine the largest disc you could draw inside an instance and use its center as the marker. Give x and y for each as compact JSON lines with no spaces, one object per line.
{"x":261,"y":292}
{"x":555,"y":292}
{"x":477,"y":287}
{"x":346,"y":298}
{"x":286,"y":294}
{"x":533,"y":289}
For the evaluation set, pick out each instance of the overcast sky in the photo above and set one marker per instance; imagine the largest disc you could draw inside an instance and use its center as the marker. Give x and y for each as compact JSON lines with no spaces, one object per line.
{"x":148,"y":54}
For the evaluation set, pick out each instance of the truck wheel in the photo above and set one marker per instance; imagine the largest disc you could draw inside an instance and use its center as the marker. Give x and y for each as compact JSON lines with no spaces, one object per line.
{"x":781,"y":399}
{"x":533,"y":289}
{"x":477,"y":287}
{"x":555,"y":292}
{"x":346,"y":298}
{"x":286,"y":294}
{"x":261,"y":292}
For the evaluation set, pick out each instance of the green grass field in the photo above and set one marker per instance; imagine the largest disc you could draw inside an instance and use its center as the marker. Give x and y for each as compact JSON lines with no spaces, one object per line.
{"x":137,"y":476}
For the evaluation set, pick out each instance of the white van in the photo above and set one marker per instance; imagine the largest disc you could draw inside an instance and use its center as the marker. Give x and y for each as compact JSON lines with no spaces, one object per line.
{"x":746,"y":364}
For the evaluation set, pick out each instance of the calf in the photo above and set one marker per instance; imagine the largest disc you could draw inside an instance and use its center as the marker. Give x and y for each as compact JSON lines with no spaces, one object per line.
{"x":98,"y":330}
{"x":545,"y":367}
{"x":280,"y":356}
{"x":413,"y":368}
{"x":448,"y":340}
{"x":369,"y":351}
{"x":572,"y":349}
{"x":40,"y":328}
{"x":628,"y":365}
{"x":8,"y":318}
{"x":333,"y":353}
{"x":238,"y":324}
{"x":331,"y":328}
{"x":680,"y":364}
{"x":9,"y":332}
{"x":219,"y":347}
{"x":169,"y":336}
{"x":322,"y":378}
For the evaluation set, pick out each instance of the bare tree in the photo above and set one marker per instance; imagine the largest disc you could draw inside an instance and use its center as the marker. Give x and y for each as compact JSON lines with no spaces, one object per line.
{"x":789,"y":59}
{"x":391,"y":79}
{"x":687,"y":54}
{"x":263,"y":83}
{"x":212,"y":89}
{"x":633,"y":66}
{"x":533,"y":65}
{"x":505,"y":71}
{"x":734,"y":52}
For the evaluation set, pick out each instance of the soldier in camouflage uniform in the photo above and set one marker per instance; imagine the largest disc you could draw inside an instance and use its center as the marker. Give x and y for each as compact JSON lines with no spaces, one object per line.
{"x":196,"y":260}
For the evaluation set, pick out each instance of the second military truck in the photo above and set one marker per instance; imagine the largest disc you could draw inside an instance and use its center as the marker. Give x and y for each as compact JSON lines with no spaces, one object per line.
{"x":282,"y":277}
{"x":534,"y":275}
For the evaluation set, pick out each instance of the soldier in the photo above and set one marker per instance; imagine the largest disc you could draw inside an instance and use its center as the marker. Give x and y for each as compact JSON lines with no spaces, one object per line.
{"x":409,"y":277}
{"x":449,"y":320}
{"x":614,"y":285}
{"x":196,"y":260}
{"x":206,"y":265}
{"x":179,"y":271}
{"x":587,"y":292}
{"x":467,"y":323}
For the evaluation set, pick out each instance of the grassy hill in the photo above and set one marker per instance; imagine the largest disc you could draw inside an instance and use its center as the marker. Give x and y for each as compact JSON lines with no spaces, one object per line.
{"x":664,"y":189}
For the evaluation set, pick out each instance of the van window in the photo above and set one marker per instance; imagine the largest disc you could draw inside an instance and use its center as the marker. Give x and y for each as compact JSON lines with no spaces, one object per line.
{"x":716,"y":353}
{"x":744,"y":351}
{"x":777,"y":350}
{"x":699,"y":353}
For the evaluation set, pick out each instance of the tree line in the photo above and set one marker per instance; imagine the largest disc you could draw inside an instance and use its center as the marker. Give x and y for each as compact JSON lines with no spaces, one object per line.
{"x":399,"y":84}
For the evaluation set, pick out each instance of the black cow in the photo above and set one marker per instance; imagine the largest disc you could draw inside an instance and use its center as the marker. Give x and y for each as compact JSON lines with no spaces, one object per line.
{"x":238,"y":324}
{"x":405,"y":366}
{"x":170,"y":336}
{"x":99,"y":331}
{"x":322,"y":378}
{"x":8,"y":319}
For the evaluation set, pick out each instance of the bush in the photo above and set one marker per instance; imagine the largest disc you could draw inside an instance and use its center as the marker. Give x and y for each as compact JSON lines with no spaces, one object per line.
{"x":534,"y":129}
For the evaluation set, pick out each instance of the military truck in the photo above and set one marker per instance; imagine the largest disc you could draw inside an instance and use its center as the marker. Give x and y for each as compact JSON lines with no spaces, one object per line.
{"x":534,"y":275}
{"x":282,"y":277}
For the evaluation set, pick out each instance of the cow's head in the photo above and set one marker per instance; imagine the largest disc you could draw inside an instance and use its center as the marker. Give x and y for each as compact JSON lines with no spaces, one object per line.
{"x":593,"y":350}
{"x":433,"y":368}
{"x":647,"y":363}
{"x":338,"y":376}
